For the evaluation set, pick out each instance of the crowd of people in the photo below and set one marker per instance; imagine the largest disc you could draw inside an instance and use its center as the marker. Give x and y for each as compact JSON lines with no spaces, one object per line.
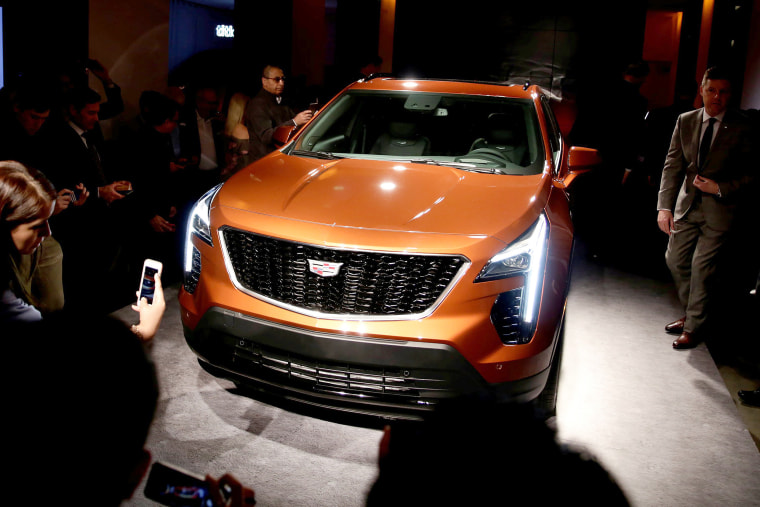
{"x":125,"y":198}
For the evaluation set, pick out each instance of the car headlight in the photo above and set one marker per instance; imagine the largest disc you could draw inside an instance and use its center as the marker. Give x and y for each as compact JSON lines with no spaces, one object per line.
{"x":515,"y":312}
{"x":198,"y":225}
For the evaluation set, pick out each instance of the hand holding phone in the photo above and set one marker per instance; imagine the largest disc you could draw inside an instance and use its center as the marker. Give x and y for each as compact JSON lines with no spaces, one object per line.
{"x":148,"y":280}
{"x":152,"y":309}
{"x":170,"y":485}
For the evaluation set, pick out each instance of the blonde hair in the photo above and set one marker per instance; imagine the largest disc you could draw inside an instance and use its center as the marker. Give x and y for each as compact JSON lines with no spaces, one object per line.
{"x":25,"y":194}
{"x":235,"y":111}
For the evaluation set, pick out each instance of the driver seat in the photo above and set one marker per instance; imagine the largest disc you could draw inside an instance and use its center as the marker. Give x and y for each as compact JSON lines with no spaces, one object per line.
{"x":504,"y":135}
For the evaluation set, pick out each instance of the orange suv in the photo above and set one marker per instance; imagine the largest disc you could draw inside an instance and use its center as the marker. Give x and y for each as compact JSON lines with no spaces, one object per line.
{"x":411,"y":243}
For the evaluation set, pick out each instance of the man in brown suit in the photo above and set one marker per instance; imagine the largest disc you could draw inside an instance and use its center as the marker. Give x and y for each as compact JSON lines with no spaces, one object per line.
{"x":267,"y":111}
{"x":708,"y":165}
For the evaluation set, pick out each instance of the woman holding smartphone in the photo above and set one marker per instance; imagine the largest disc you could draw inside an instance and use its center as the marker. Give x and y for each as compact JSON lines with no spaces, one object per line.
{"x":27,"y":200}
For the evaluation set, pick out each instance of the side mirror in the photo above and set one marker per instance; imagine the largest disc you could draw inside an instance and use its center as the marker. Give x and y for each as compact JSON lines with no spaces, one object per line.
{"x":580,"y":160}
{"x":283,"y":134}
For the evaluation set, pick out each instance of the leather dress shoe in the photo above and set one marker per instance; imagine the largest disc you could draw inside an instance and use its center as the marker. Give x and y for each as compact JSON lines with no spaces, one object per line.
{"x":750,"y":397}
{"x":687,"y":340}
{"x":676,"y":327}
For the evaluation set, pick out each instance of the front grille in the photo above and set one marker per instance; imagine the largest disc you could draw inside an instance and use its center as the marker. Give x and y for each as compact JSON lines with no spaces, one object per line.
{"x":344,"y":379}
{"x":367,"y":283}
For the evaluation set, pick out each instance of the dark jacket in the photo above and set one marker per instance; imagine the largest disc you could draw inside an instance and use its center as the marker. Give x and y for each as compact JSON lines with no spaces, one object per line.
{"x":262,"y":116}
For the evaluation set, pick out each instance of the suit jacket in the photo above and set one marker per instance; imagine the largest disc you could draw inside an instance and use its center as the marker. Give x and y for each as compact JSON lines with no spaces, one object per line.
{"x":729,"y":163}
{"x":67,"y":163}
{"x":262,"y":116}
{"x":189,"y":137}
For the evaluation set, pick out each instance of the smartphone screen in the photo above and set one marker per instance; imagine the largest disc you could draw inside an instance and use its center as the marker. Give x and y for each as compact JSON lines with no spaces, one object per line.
{"x":148,"y":285}
{"x":170,"y":486}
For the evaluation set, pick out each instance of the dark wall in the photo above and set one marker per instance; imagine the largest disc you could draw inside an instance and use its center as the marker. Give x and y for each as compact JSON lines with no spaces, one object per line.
{"x":730,"y":37}
{"x":263,"y":35}
{"x":37,"y":37}
{"x":548,"y":43}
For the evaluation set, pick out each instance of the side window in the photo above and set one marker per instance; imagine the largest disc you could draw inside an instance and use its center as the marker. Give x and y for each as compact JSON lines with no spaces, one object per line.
{"x":552,"y":130}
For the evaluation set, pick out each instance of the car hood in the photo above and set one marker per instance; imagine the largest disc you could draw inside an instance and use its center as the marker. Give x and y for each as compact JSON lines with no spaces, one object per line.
{"x":388,"y":196}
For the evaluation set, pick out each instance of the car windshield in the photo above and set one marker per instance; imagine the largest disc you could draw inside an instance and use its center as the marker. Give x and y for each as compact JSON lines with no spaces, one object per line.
{"x":497,"y":135}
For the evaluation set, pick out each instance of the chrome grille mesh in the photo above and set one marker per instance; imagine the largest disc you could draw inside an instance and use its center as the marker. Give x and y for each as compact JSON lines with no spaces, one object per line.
{"x":367,"y":284}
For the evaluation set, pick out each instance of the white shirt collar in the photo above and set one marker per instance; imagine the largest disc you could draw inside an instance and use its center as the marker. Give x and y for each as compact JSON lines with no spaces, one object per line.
{"x":706,"y":117}
{"x":76,"y":128}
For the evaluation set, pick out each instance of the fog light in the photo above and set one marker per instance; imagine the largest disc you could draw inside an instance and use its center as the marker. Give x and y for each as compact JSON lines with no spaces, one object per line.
{"x":505,"y":317}
{"x":192,"y":270}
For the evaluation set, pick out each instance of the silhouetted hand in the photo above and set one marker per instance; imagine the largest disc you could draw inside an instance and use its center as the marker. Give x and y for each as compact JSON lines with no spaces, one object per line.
{"x":239,"y":496}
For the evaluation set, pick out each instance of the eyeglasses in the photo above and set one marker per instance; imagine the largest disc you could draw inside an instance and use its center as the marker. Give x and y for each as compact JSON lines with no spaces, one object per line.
{"x":276,"y":79}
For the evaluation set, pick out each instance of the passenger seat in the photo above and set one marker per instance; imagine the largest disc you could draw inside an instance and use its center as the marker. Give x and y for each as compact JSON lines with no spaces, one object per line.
{"x":402,"y":138}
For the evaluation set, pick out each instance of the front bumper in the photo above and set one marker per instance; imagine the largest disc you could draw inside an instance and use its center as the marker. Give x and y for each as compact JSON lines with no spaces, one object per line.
{"x":381,"y":377}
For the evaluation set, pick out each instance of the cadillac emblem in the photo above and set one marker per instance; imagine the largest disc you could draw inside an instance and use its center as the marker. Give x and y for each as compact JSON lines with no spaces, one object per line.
{"x":323,"y":268}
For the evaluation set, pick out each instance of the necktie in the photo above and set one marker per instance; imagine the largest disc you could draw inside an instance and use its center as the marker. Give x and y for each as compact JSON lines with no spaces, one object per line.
{"x":95,"y":156}
{"x":704,"y":146}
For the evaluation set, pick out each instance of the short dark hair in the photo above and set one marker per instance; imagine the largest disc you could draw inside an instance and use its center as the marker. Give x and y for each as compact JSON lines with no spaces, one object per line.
{"x":80,"y":97}
{"x":717,"y":72}
{"x":83,"y":416}
{"x":464,"y":435}
{"x":156,"y":108}
{"x":34,"y":97}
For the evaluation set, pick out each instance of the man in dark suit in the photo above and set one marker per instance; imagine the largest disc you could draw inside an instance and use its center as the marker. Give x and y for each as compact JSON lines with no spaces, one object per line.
{"x":267,"y":111}
{"x":201,"y":139}
{"x":89,"y":234}
{"x":708,"y":166}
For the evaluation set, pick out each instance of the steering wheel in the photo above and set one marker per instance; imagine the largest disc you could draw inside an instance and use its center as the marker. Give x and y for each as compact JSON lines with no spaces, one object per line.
{"x":486,"y":155}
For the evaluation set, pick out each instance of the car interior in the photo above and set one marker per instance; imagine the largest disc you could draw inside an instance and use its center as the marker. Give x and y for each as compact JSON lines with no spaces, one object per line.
{"x":470,"y":132}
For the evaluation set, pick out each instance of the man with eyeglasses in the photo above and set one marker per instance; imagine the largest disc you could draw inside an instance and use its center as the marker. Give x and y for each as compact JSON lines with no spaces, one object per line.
{"x":267,"y":111}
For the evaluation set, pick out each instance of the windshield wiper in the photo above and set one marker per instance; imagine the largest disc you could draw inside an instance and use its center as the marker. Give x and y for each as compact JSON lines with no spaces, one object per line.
{"x":325,"y":155}
{"x":459,"y":165}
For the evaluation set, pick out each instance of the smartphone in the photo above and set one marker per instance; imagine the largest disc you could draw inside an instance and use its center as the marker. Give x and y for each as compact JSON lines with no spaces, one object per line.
{"x":314,"y":106}
{"x":148,"y":280}
{"x":170,"y":485}
{"x":124,"y":190}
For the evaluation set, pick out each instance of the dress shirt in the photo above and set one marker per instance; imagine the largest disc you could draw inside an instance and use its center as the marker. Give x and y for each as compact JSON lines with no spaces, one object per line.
{"x":706,"y":121}
{"x":81,"y":133}
{"x":208,"y":159}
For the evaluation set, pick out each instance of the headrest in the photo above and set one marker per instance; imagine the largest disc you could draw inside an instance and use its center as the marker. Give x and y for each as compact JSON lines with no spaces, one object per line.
{"x":501,"y":128}
{"x":402,"y":129}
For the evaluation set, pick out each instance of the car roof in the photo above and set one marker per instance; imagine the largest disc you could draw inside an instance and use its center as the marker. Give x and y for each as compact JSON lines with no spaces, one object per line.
{"x":485,"y":88}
